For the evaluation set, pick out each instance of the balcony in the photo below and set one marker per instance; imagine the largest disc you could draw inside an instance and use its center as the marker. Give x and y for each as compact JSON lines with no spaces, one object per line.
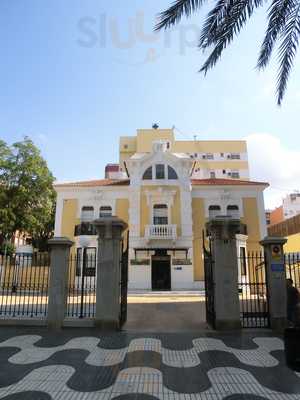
{"x":157,"y":232}
{"x":85,"y":229}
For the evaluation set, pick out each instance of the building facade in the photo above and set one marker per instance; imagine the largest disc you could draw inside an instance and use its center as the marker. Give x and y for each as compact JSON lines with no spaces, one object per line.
{"x":166,"y":190}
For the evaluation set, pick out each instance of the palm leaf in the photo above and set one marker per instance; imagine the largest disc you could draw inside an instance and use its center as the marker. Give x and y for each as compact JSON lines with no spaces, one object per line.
{"x":288,"y":48}
{"x":224,"y":22}
{"x":178,"y":9}
{"x":277,"y":17}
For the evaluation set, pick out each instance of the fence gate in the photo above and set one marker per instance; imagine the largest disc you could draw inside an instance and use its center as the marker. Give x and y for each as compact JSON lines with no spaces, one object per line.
{"x":209,"y":285}
{"x":124,"y":280}
{"x":81,"y":302}
{"x":292,"y":268}
{"x":253,"y":291}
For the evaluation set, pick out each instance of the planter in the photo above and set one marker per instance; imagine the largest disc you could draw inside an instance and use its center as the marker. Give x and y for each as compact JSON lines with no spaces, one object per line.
{"x":292,"y":348}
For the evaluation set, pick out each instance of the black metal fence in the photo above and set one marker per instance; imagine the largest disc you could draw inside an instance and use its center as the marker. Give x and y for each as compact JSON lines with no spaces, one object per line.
{"x":81,"y":301}
{"x":24,"y":280}
{"x":209,"y":284}
{"x":292,"y":268}
{"x":253,"y":291}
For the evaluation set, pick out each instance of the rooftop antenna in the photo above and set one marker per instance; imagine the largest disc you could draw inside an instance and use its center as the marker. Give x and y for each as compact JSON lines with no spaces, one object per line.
{"x":155,"y":126}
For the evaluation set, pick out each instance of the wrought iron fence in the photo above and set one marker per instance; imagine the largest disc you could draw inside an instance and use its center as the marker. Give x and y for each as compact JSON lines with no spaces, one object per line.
{"x":24,"y":280}
{"x":253,"y":291}
{"x":81,"y":301}
{"x":292,"y":268}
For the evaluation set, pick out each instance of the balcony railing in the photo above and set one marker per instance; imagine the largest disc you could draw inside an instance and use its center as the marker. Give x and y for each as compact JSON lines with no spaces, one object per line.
{"x":86,"y":229}
{"x":166,"y":232}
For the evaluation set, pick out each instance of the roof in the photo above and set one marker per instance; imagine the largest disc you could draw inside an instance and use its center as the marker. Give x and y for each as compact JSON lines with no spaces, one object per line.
{"x":226,"y":182}
{"x":98,"y":182}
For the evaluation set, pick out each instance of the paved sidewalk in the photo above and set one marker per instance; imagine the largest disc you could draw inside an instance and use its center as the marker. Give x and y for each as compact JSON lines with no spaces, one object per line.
{"x":81,"y":364}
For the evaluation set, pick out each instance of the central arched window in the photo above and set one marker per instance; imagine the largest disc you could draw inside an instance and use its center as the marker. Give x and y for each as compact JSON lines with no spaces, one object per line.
{"x":105,"y":211}
{"x":214,"y":211}
{"x":160,"y":171}
{"x":160,"y":214}
{"x":87,"y":213}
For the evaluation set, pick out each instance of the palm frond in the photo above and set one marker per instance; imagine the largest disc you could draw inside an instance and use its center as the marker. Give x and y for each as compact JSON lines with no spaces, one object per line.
{"x":277,"y":17}
{"x":288,"y":48}
{"x":224,"y":22}
{"x":178,"y":9}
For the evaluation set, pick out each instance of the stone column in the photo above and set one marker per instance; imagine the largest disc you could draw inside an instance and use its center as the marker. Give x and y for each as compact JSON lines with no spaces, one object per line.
{"x":60,"y":250}
{"x":276,"y":280}
{"x":225,"y":271}
{"x":109,"y":231}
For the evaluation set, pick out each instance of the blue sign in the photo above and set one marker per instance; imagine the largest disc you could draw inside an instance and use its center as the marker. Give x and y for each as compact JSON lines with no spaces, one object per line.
{"x":277,"y":267}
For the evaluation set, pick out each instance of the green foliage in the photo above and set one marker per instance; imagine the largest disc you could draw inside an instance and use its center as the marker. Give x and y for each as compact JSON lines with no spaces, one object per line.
{"x":227,"y":18}
{"x":27,"y":198}
{"x":7,"y":248}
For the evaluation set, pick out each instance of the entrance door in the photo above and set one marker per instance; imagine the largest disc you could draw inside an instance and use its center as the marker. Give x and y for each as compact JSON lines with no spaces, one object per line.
{"x":161,"y":272}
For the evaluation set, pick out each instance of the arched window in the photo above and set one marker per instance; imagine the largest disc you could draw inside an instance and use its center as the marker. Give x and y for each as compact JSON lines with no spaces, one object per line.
{"x":160,"y":171}
{"x":233,"y":211}
{"x":214,"y":210}
{"x":87,"y":213}
{"x":148,"y":174}
{"x":105,"y":211}
{"x":172,"y":173}
{"x":160,"y":214}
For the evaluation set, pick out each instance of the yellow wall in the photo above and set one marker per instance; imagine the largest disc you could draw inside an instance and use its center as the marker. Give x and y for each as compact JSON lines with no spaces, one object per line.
{"x":198,"y":226}
{"x":69,"y":219}
{"x":222,"y":164}
{"x":145,"y":138}
{"x":122,"y":209}
{"x":210,"y":146}
{"x":293,"y":244}
{"x":145,"y":213}
{"x":251,"y":219}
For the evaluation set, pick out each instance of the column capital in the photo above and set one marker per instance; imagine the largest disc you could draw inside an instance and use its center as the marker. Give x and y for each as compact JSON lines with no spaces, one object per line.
{"x":60,"y":241}
{"x":268,"y":240}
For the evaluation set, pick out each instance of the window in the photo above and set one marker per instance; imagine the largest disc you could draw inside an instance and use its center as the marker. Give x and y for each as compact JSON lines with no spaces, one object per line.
{"x":235,"y":156}
{"x":222,"y":154}
{"x":160,"y":171}
{"x":172,"y":173}
{"x":209,"y":156}
{"x":125,"y":146}
{"x":224,"y":171}
{"x":212,"y":175}
{"x":105,"y":211}
{"x":87,"y":213}
{"x":235,"y":174}
{"x":243,"y":261}
{"x":168,"y":145}
{"x":233,"y":211}
{"x":148,"y":174}
{"x":160,"y":214}
{"x":214,"y":210}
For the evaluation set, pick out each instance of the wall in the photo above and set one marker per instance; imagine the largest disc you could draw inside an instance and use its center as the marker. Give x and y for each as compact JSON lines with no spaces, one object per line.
{"x":251,"y":219}
{"x":293,"y":244}
{"x":69,"y":219}
{"x":276,"y":216}
{"x":198,"y":226}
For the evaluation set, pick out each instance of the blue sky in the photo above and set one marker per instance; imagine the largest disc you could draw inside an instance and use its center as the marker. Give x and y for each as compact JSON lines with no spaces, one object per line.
{"x":74,"y":79}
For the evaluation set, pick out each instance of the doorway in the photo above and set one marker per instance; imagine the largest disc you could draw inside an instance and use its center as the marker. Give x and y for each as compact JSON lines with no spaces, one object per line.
{"x":161,"y":271}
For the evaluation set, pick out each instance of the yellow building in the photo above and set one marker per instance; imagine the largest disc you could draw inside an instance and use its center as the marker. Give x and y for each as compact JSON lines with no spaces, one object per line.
{"x":166,"y":190}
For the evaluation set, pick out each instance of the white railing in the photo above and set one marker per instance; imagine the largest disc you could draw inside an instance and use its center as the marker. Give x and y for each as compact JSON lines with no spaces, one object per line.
{"x":168,"y":232}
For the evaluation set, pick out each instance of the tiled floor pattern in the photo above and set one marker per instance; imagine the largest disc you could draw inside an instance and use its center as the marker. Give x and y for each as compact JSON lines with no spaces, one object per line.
{"x":132,"y":367}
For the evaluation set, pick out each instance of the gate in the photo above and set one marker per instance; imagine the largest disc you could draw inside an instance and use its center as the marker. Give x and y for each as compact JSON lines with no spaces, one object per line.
{"x":81,"y":302}
{"x":209,"y":284}
{"x":124,"y":280}
{"x":253,"y":291}
{"x":292,"y":268}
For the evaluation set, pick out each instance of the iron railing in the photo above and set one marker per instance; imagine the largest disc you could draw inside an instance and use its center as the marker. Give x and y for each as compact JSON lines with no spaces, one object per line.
{"x":24,"y":281}
{"x":253,"y":291}
{"x":81,"y":300}
{"x":292,"y":267}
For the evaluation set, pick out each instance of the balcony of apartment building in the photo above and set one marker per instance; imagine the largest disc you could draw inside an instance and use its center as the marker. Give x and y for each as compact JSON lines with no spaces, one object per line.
{"x":160,"y":229}
{"x":88,"y":215}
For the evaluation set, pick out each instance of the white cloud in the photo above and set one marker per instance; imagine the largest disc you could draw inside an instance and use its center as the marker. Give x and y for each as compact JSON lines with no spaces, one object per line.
{"x":273,"y":162}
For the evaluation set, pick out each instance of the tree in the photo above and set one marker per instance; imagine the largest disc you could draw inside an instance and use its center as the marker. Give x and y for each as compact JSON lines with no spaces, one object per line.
{"x":226,"y":20}
{"x":27,"y":197}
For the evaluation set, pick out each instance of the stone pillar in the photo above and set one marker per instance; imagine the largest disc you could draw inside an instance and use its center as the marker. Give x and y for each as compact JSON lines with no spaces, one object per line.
{"x":225,"y":271}
{"x":60,"y":250}
{"x":109,"y":231}
{"x":276,"y":280}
